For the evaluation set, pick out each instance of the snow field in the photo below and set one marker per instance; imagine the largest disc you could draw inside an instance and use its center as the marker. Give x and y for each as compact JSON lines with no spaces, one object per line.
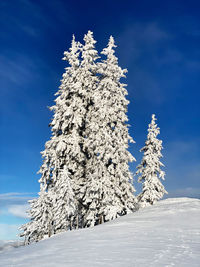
{"x":166,"y":234}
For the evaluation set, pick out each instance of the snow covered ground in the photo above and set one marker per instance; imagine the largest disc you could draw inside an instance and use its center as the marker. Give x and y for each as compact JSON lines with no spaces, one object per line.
{"x":166,"y":234}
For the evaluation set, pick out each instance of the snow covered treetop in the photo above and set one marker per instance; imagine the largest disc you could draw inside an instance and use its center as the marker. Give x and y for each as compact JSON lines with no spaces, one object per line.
{"x":110,"y":65}
{"x":109,"y":51}
{"x":89,"y":54}
{"x":88,"y":38}
{"x":153,"y":117}
{"x":73,"y":54}
{"x":153,"y":129}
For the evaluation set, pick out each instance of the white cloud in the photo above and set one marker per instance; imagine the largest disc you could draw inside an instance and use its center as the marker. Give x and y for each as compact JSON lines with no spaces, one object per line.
{"x":19,"y":210}
{"x":15,"y":198}
{"x":15,"y":203}
{"x":13,"y":194}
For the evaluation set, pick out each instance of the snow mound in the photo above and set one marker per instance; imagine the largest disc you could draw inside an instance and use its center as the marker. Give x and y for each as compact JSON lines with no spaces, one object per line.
{"x":166,"y":234}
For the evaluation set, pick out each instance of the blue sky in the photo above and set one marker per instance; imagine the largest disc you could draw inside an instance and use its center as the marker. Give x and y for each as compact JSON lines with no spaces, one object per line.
{"x":158,"y":42}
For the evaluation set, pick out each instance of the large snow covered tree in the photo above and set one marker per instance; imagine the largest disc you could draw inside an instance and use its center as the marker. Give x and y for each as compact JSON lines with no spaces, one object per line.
{"x":108,"y":189}
{"x":114,"y":151}
{"x":85,"y":178}
{"x":89,"y":81}
{"x":150,"y":168}
{"x":62,"y":158}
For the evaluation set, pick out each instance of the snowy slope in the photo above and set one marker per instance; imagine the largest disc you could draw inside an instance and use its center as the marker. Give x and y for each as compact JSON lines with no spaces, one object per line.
{"x":166,"y":234}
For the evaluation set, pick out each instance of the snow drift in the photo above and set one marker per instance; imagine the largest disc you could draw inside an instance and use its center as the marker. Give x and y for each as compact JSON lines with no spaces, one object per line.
{"x":166,"y":234}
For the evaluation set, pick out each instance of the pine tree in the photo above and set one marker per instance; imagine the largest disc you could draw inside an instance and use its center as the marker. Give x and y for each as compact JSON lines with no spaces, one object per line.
{"x":41,"y":223}
{"x":85,"y":178}
{"x":150,"y":168}
{"x":62,"y":158}
{"x":90,"y":80}
{"x":67,"y":125}
{"x":115,"y":155}
{"x":108,"y":191}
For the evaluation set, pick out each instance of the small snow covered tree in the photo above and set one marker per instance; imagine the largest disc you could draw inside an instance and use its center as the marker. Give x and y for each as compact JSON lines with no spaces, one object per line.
{"x":41,"y":223}
{"x":150,"y":168}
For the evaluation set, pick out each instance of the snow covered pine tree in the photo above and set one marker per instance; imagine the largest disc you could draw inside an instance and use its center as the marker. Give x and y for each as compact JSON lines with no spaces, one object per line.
{"x":118,"y":199}
{"x":89,"y":84}
{"x":107,"y":192}
{"x":85,"y":174}
{"x":150,"y":168}
{"x":41,"y":219}
{"x":63,"y":159}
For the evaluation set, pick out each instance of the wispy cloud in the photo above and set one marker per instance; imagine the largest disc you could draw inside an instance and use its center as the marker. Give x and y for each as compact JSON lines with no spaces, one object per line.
{"x":15,"y":198}
{"x":19,"y":210}
{"x":16,"y":68}
{"x":13,"y":194}
{"x":8,"y":19}
{"x":38,"y":20}
{"x":13,"y":207}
